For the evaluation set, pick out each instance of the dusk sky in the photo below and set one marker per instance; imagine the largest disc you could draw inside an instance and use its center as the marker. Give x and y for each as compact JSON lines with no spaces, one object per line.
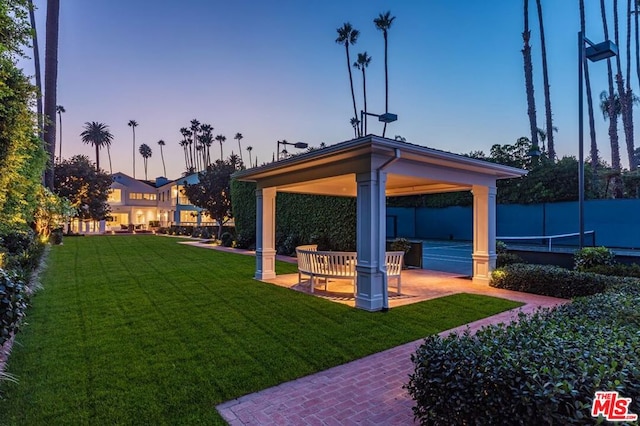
{"x":271,"y":70}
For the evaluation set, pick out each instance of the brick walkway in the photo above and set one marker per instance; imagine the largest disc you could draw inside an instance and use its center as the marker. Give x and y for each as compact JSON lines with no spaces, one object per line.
{"x":367,"y":391}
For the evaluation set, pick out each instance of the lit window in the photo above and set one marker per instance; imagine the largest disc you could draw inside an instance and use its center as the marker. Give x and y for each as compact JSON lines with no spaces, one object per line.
{"x":115,"y":196}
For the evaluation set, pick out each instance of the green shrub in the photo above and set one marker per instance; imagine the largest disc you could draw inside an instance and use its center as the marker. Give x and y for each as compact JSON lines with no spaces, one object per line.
{"x":543,"y":369}
{"x":226,"y":239}
{"x":245,"y":241}
{"x":616,"y":269}
{"x":501,"y":247}
{"x":589,"y":257}
{"x":56,"y":236}
{"x":548,"y":280}
{"x":401,"y":244}
{"x":17,"y":241}
{"x":13,"y":303}
{"x":504,"y":259}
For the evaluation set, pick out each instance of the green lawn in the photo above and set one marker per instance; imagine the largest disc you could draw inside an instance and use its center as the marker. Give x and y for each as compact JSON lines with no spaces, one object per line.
{"x":142,"y":330}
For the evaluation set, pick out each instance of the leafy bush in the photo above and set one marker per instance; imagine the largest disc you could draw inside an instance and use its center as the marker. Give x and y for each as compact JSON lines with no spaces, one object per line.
{"x":592,"y":256}
{"x":286,"y":244}
{"x":504,"y":259}
{"x":163,"y":230}
{"x":245,"y":241}
{"x":226,"y":239}
{"x":13,"y":303}
{"x":501,"y":247}
{"x":543,"y":369}
{"x":56,"y":236}
{"x":548,"y":280}
{"x":401,"y":244}
{"x":18,"y":240}
{"x":616,"y":269}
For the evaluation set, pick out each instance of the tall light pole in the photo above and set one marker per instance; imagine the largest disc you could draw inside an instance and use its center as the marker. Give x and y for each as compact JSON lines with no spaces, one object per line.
{"x":299,"y":145}
{"x":595,"y":52}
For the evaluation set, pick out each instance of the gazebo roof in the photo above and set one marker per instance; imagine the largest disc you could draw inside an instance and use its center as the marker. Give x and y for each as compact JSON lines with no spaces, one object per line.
{"x":411,"y":169}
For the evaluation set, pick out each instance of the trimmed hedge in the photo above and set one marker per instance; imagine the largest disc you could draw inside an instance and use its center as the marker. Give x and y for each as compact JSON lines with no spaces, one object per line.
{"x":543,"y":369}
{"x":327,"y":221}
{"x":616,"y":269}
{"x":548,"y":280}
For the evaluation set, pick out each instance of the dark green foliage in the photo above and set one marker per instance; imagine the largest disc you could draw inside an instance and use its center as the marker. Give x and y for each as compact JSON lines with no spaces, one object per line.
{"x":77,"y":180}
{"x":16,"y":241}
{"x":543,"y":369}
{"x":616,"y":269}
{"x":212,"y":192}
{"x":589,"y":257}
{"x":22,"y":156}
{"x":327,"y":221}
{"x":243,"y":196}
{"x":401,"y":244}
{"x":13,"y":303}
{"x":226,"y":239}
{"x":21,"y":251}
{"x":56,"y":236}
{"x":307,"y":219}
{"x":548,"y":280}
{"x":504,"y":259}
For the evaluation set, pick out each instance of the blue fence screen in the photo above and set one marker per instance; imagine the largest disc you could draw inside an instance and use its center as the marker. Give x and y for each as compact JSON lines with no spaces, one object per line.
{"x":616,"y":222}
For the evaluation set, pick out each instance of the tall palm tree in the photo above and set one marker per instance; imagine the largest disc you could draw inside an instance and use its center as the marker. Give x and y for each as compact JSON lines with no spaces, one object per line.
{"x":347,"y":36}
{"x":195,"y":127}
{"x":133,"y":124}
{"x":621,"y":92}
{"x":98,"y":135}
{"x":362,"y":63}
{"x":587,"y":83}
{"x":629,"y":95}
{"x":206,"y":138}
{"x":50,"y":85}
{"x":551,"y":151}
{"x":108,"y":145}
{"x":612,"y":114}
{"x":183,"y":143}
{"x":145,"y":151}
{"x":164,"y":168}
{"x":188,"y":157}
{"x":383,"y":23}
{"x":36,"y":63}
{"x":528,"y":78}
{"x":221,"y":139}
{"x":249,"y":149}
{"x":239,"y":137}
{"x":355,"y":123}
{"x":60,"y":110}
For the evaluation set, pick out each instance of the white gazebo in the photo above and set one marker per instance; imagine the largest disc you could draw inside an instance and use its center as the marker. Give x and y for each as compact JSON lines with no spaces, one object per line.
{"x":372,"y":168}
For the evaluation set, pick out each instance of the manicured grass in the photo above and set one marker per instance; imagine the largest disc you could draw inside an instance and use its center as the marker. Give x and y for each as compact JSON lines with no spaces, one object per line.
{"x":142,"y":330}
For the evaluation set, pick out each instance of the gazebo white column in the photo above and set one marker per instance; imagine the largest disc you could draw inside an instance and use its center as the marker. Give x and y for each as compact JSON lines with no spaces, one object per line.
{"x":484,"y":232}
{"x":370,"y":240}
{"x":265,"y":233}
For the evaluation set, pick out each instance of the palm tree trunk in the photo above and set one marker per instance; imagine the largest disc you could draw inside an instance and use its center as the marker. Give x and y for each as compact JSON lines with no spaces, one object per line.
{"x":50,"y":85}
{"x":353,"y":95}
{"x":134,"y":151}
{"x":364,"y":91}
{"x":36,"y":62}
{"x":221,"y":156}
{"x":109,"y":155}
{"x":629,"y":95}
{"x":622,"y":95}
{"x":613,"y":117}
{"x":240,"y":149}
{"x":97,"y":157}
{"x":60,"y":156}
{"x":547,"y":96}
{"x":164,"y":168}
{"x":528,"y":77}
{"x":386,"y":82}
{"x":250,"y":159}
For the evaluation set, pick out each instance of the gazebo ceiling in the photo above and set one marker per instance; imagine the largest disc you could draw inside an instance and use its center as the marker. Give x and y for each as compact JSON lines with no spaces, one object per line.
{"x":411,"y":169}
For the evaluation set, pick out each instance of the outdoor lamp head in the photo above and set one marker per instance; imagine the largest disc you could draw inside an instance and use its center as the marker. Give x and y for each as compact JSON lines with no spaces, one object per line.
{"x":300,"y":145}
{"x":600,"y":51}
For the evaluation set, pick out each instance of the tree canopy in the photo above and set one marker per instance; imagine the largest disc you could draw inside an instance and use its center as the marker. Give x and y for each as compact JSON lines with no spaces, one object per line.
{"x":212,"y":193}
{"x":87,"y":189}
